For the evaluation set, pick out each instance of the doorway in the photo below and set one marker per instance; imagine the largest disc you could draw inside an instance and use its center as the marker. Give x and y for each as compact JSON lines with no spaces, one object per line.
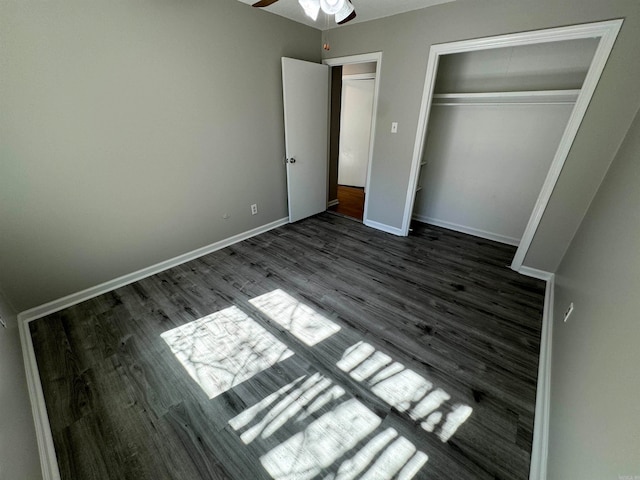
{"x":354,"y":88}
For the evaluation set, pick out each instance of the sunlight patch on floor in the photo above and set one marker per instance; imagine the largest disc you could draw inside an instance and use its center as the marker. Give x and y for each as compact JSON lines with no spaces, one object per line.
{"x":403,"y":389}
{"x":310,"y":396}
{"x":224,"y":349}
{"x":304,"y":455}
{"x":248,"y":415}
{"x":302,"y":321}
{"x":336,"y":442}
{"x":341,"y":433}
{"x":382,"y":459}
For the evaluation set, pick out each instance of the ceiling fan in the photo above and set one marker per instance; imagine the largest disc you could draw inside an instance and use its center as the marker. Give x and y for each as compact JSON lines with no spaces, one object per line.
{"x":342,"y":9}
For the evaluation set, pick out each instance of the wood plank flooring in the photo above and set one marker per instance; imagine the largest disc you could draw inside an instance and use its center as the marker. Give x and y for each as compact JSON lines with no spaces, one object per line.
{"x":351,"y":202}
{"x":321,"y":349}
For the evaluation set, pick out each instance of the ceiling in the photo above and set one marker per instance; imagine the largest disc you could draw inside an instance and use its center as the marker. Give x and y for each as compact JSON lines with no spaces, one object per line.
{"x":366,"y":10}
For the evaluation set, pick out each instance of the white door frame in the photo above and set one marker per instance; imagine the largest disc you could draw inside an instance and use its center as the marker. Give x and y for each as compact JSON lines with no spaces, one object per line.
{"x":607,"y":31}
{"x":364,"y":58}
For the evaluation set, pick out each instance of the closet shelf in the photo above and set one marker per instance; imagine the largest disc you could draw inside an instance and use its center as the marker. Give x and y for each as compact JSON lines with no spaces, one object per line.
{"x":531,"y":97}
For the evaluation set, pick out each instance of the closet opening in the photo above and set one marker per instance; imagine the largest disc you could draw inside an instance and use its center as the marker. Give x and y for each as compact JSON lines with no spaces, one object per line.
{"x":497,"y":120}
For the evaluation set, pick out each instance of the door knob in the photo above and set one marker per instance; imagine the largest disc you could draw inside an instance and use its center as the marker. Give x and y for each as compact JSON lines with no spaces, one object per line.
{"x":292,"y":160}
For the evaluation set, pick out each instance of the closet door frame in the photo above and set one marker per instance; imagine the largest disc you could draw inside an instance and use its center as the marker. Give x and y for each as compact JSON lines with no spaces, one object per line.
{"x":606,"y":31}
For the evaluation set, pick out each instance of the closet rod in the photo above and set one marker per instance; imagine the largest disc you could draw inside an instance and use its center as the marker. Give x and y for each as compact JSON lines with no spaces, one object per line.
{"x":531,"y":97}
{"x":494,"y":104}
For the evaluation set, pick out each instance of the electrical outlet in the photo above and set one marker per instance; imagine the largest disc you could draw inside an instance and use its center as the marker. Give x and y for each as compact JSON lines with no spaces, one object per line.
{"x":254,"y":209}
{"x":394,"y":127}
{"x":568,"y":312}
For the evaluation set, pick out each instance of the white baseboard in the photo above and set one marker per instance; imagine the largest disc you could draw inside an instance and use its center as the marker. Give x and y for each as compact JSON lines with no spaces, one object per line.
{"x":46,"y":449}
{"x":333,"y":203}
{"x":75,"y":298}
{"x":469,"y":230}
{"x":384,"y":228}
{"x":535,"y":273}
{"x":540,"y":446}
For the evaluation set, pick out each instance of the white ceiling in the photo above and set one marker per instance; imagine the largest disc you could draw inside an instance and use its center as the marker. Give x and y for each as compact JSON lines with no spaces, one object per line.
{"x":366,"y":10}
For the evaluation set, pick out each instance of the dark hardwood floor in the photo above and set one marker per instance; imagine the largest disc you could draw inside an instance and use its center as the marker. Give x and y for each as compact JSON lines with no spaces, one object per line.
{"x":350,"y":202}
{"x":321,"y":349}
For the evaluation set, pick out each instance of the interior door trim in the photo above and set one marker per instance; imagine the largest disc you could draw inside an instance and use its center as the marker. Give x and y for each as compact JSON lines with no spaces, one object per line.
{"x":365,"y":58}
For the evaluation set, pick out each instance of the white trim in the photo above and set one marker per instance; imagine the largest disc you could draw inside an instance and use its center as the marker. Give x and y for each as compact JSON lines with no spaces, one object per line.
{"x":607,"y":31}
{"x":46,"y":449}
{"x":48,"y":462}
{"x":383,"y":227}
{"x":332,"y":203}
{"x":531,"y":97}
{"x":540,"y":446}
{"x":351,"y":59}
{"x":476,"y":232}
{"x":365,"y":58}
{"x":359,"y":76}
{"x":75,"y":298}
{"x":535,"y":273}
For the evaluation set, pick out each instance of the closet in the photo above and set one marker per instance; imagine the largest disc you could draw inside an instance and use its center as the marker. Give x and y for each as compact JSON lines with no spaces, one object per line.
{"x":496,"y":120}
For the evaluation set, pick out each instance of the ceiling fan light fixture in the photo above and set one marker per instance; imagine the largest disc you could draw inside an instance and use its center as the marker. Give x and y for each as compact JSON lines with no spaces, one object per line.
{"x":311,"y":8}
{"x":346,"y":13}
{"x":331,"y":7}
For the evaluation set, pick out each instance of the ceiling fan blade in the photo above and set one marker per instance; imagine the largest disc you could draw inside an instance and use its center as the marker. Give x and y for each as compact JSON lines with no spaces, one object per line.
{"x":351,"y":16}
{"x":264,"y":3}
{"x":346,"y":14}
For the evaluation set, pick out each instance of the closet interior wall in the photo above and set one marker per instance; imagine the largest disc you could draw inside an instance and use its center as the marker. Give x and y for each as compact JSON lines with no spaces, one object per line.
{"x":496,"y":121}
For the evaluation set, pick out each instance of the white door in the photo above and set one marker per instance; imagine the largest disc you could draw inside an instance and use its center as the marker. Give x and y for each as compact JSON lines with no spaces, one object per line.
{"x":306,"y":108}
{"x":355,"y":131}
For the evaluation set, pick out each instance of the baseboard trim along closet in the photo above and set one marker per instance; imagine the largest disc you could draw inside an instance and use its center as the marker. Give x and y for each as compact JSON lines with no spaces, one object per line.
{"x":535,"y":273}
{"x":384,"y":228}
{"x":46,"y":449}
{"x":540,"y":446}
{"x":469,"y":230}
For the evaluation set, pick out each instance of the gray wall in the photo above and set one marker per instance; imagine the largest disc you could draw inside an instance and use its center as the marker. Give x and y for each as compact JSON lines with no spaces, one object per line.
{"x":358,"y":68}
{"x":486,"y":166}
{"x":405,"y":40}
{"x":542,"y":66}
{"x":18,"y":449}
{"x":595,"y":412}
{"x":128,"y":129}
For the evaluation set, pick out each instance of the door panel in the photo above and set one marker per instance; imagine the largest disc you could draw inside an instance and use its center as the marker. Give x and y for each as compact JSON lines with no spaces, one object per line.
{"x":306,"y":103}
{"x":355,"y":131}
